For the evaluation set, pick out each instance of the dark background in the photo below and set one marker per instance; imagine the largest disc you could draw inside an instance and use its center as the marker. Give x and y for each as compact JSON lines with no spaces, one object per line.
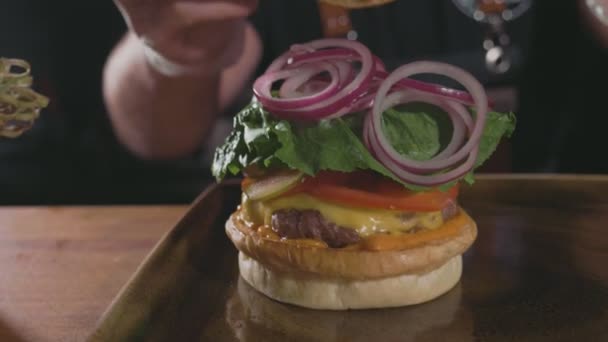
{"x":556,"y":87}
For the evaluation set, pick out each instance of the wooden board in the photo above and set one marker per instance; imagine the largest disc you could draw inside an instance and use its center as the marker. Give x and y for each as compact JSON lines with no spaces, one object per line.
{"x":536,"y":273}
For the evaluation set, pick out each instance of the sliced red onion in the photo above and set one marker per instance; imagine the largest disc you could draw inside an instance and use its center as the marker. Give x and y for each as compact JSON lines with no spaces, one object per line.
{"x":323,"y":56}
{"x":450,"y":164}
{"x":463,"y":125}
{"x":364,"y":102}
{"x":352,"y":89}
{"x":306,"y":80}
{"x":343,"y":90}
{"x":263,"y":85}
{"x":416,"y":178}
{"x":424,"y":179}
{"x":379,"y":65}
{"x":436,"y":89}
{"x":310,"y":88}
{"x":461,"y":119}
{"x":303,"y":85}
{"x":328,"y":78}
{"x":466,"y":79}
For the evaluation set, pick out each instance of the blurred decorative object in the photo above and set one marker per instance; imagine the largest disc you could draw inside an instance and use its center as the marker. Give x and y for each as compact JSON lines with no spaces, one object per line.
{"x":493,"y":14}
{"x":356,"y":3}
{"x":19,"y":105}
{"x":598,"y":8}
{"x":335,"y":20}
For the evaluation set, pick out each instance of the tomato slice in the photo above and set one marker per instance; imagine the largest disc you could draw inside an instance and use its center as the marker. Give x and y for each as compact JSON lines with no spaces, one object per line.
{"x":368,"y":190}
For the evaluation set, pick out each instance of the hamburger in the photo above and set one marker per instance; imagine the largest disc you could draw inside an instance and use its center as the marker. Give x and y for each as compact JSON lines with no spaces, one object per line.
{"x":351,"y":176}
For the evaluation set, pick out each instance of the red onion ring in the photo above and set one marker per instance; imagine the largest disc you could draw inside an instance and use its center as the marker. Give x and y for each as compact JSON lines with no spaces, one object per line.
{"x":460,"y":117}
{"x":309,"y":88}
{"x":467,"y":80}
{"x":425,"y":180}
{"x":436,"y":89}
{"x":335,"y":99}
{"x":301,"y":75}
{"x":358,"y":81}
{"x":459,"y":134}
{"x":289,"y":89}
{"x":322,"y":56}
{"x":420,"y":172}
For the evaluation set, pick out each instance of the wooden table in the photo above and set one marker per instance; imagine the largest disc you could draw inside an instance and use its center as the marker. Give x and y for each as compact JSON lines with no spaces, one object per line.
{"x":538,"y":268}
{"x":60,"y":267}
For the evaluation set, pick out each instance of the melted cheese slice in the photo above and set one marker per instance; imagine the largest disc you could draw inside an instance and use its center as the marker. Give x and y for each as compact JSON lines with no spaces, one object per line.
{"x":365,"y":221}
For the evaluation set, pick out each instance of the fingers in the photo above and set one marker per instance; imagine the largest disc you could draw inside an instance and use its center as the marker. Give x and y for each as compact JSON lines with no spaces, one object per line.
{"x":189,"y":32}
{"x":197,"y":11}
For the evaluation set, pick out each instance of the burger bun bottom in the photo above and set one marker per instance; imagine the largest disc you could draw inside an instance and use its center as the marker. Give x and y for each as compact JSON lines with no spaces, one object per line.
{"x":343,"y":294}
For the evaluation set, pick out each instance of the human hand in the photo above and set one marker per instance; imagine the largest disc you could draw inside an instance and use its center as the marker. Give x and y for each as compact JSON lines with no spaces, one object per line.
{"x":595,"y":15}
{"x":599,"y":8}
{"x":189,"y":36}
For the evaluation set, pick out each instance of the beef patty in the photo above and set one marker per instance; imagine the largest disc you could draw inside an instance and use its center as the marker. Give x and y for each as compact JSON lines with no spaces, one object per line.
{"x":310,"y":224}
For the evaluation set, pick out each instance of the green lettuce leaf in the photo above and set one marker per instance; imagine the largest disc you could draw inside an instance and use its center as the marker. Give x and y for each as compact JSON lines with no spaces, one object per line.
{"x":417,"y":132}
{"x":252,"y":140}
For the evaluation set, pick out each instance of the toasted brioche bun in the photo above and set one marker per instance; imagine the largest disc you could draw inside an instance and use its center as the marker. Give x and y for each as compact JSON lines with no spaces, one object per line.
{"x":357,"y":3}
{"x":254,"y":316}
{"x":343,"y":294}
{"x":342,"y":279}
{"x":348,"y":263}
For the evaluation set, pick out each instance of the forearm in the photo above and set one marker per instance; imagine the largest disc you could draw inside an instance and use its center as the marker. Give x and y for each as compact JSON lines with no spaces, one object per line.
{"x":162,"y":117}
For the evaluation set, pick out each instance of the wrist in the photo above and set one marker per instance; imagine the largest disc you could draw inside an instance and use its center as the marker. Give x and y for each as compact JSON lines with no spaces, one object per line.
{"x":195,"y":60}
{"x":166,"y":67}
